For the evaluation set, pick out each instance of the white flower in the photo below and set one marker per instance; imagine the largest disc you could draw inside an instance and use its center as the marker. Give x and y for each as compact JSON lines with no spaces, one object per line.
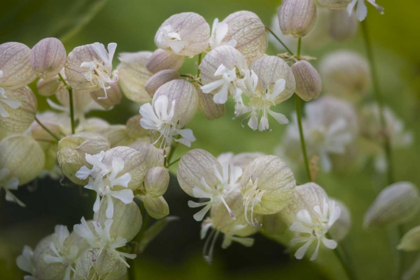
{"x":99,"y":72}
{"x":61,"y":254}
{"x":25,"y":263}
{"x":361,"y":11}
{"x":227,"y":181}
{"x":101,"y":238}
{"x":103,"y":180}
{"x":309,"y":229}
{"x":218,"y":33}
{"x":9,"y":184}
{"x":11,"y":102}
{"x":170,"y":38}
{"x":261,"y":102}
{"x":160,"y":118}
{"x":228,"y":83}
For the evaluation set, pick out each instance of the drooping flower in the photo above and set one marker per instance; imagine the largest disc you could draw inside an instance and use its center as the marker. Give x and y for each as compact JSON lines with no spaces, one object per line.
{"x":25,"y":263}
{"x":89,"y":67}
{"x":200,"y":175}
{"x":309,"y":228}
{"x":174,"y":105}
{"x":65,"y":255}
{"x":361,"y":10}
{"x":218,"y":33}
{"x":222,"y":72}
{"x":104,"y":180}
{"x":8,"y":184}
{"x":102,"y":239}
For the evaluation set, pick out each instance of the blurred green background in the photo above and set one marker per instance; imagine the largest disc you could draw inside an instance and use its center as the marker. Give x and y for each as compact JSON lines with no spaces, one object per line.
{"x":176,"y":253}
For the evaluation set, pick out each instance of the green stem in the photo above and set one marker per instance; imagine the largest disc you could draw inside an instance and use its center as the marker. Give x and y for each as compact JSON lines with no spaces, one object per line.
{"x":70,"y":89}
{"x":199,"y":62}
{"x":47,"y":130}
{"x":172,"y":163}
{"x":169,"y":156}
{"x":278,"y":39}
{"x":299,"y":48}
{"x":342,"y":256}
{"x":302,"y":137}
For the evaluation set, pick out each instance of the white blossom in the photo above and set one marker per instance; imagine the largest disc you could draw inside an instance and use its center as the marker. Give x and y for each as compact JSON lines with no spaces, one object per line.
{"x":9,"y":184}
{"x":227,"y":181}
{"x":361,"y":10}
{"x":170,"y":38}
{"x":160,"y":118}
{"x":102,"y":239}
{"x":25,"y":263}
{"x":218,"y":33}
{"x":103,"y":179}
{"x":309,"y":229}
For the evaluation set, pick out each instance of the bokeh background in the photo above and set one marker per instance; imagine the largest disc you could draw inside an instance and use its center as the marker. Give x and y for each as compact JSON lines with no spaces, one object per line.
{"x":176,"y":253}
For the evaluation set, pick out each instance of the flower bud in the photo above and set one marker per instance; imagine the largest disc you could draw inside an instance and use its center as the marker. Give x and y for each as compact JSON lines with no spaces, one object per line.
{"x":113,"y":98}
{"x":15,"y":66}
{"x":92,"y":125}
{"x":184,"y":95}
{"x":153,"y":156}
{"x":134,"y":163}
{"x":48,"y":57}
{"x":23,"y":156}
{"x":19,"y":107}
{"x":72,"y":151}
{"x":161,"y":60}
{"x":127,"y":219}
{"x":297,"y":17}
{"x":157,"y":208}
{"x":117,"y":135}
{"x":134,"y":129}
{"x":396,"y":204}
{"x":341,"y":227}
{"x":308,"y":81}
{"x":133,"y":75}
{"x":107,"y":265}
{"x":342,"y":26}
{"x":247,"y":30}
{"x":159,"y":79}
{"x":48,"y":86}
{"x":157,"y":181}
{"x":334,"y":4}
{"x":411,"y":240}
{"x":185,"y":34}
{"x":208,"y":107}
{"x":345,"y":74}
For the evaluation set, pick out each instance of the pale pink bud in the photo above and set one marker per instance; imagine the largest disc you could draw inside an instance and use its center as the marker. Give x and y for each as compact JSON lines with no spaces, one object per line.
{"x":48,"y":57}
{"x":160,"y":78}
{"x":161,"y":60}
{"x":297,"y":17}
{"x":308,"y":81}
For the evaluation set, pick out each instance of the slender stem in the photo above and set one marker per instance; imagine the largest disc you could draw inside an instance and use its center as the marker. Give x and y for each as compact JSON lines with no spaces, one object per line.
{"x":70,"y":89}
{"x":387,"y":142}
{"x":343,"y":258}
{"x":47,"y":130}
{"x":278,"y":39}
{"x":198,"y":66}
{"x":299,"y":47}
{"x":169,"y":156}
{"x":302,"y":137}
{"x":172,"y":163}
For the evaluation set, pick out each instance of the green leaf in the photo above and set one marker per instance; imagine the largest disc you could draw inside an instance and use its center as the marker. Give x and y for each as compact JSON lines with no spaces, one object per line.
{"x":29,"y":21}
{"x":154,"y":230}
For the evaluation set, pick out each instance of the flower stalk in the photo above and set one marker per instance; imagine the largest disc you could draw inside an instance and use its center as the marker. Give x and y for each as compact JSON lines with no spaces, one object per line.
{"x":70,"y":89}
{"x":47,"y":130}
{"x":278,"y":39}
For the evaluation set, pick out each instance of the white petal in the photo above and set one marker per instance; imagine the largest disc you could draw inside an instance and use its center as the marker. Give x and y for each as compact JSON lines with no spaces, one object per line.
{"x":300,"y":253}
{"x":280,"y":118}
{"x":125,"y":196}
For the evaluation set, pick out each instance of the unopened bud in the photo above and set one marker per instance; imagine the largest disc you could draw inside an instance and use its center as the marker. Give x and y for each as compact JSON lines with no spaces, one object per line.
{"x":334,"y":4}
{"x":297,"y":17}
{"x":308,"y":81}
{"x":72,"y":152}
{"x":159,"y":79}
{"x":112,"y":97}
{"x":15,"y":66}
{"x":133,"y":75}
{"x":117,"y":135}
{"x":396,"y":204}
{"x":157,"y":208}
{"x":153,"y":156}
{"x":157,"y":181}
{"x":48,"y":57}
{"x":411,"y":240}
{"x":161,"y":60}
{"x":208,"y":107}
{"x":341,"y":25}
{"x":23,"y":156}
{"x":19,"y":107}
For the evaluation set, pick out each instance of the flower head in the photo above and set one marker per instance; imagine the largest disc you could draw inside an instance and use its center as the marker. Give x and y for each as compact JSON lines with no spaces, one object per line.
{"x":309,"y":228}
{"x":218,"y":33}
{"x":101,"y":238}
{"x":105,"y":180}
{"x":361,"y":10}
